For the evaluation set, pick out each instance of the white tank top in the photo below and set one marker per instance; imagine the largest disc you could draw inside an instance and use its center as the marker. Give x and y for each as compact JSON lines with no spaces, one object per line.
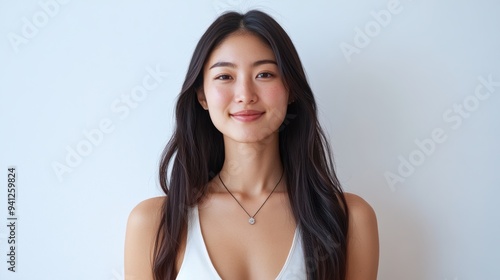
{"x":197,"y":264}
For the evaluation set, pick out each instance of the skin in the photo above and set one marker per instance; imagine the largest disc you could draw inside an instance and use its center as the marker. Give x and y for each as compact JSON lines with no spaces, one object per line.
{"x":241,"y":74}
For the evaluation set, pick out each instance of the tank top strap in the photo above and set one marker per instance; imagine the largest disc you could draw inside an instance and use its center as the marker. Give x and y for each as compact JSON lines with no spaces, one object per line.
{"x":196,"y":262}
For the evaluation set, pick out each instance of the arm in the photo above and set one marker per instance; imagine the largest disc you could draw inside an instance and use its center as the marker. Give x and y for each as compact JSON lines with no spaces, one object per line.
{"x":362,"y":240}
{"x":142,"y":225}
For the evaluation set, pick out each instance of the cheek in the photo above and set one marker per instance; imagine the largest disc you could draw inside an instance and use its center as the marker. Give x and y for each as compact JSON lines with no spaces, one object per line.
{"x":277,"y":100}
{"x":218,"y":97}
{"x":277,"y":95}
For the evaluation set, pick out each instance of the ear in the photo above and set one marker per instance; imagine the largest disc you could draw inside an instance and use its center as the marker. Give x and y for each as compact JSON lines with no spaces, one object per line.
{"x":200,"y":93}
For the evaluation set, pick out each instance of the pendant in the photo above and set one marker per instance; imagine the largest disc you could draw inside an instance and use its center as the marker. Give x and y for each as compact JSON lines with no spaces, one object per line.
{"x":251,"y":220}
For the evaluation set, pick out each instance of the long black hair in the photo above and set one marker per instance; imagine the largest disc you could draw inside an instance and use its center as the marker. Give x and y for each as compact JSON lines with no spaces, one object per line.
{"x":196,"y":152}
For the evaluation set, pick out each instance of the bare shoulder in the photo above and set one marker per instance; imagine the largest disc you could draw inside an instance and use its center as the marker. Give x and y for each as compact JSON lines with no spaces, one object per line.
{"x":147,"y":212}
{"x":142,"y":226}
{"x":359,"y":209}
{"x":363,"y":242}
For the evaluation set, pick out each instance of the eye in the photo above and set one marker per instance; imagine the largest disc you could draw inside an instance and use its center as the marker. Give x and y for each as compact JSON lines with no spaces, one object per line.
{"x":223,"y":77}
{"x":265,"y":75}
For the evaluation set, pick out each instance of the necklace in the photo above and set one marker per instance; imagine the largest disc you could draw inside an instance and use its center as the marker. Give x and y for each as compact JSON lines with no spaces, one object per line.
{"x":251,"y":218}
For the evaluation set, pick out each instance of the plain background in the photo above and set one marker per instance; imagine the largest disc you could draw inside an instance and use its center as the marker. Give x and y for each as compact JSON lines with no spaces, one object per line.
{"x":409,"y":77}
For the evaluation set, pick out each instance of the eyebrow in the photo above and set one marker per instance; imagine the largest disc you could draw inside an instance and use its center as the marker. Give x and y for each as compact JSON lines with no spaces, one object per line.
{"x":232,"y":65}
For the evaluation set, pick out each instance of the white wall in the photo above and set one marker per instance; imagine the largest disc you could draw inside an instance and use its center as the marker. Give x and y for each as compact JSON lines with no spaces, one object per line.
{"x":64,"y":76}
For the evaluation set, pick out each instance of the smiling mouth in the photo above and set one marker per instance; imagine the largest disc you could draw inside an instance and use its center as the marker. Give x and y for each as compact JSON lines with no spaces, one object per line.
{"x":247,"y":116}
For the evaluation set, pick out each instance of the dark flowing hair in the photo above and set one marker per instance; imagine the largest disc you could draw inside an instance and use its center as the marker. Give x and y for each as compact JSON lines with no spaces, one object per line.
{"x":197,"y":151}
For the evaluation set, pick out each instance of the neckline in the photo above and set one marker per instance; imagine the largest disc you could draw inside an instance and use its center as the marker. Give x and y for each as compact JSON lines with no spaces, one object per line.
{"x":197,"y":228}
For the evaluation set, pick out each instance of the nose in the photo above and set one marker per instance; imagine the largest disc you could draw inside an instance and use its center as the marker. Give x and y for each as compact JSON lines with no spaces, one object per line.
{"x":245,"y":91}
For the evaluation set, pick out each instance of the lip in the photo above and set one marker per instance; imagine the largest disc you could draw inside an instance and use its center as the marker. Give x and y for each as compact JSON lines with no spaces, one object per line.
{"x":247,"y":115}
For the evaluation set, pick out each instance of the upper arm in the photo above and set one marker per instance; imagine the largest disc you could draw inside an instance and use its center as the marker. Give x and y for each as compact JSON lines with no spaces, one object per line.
{"x":362,"y":240}
{"x":142,"y":226}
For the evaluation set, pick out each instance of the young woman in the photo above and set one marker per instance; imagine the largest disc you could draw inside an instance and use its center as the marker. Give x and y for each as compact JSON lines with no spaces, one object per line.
{"x":252,"y":192}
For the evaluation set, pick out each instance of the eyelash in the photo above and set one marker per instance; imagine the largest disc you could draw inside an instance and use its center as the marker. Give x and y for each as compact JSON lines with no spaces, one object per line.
{"x":269,"y":75}
{"x":227,"y":77}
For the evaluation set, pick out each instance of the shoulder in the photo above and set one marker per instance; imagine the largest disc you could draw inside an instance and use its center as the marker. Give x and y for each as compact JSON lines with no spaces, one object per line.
{"x":144,"y":219}
{"x":147,"y":212}
{"x":142,"y":227}
{"x":359,"y":209}
{"x":363,"y":243}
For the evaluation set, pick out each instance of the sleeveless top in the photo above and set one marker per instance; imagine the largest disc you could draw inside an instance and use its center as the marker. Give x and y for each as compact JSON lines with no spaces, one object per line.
{"x":197,"y":264}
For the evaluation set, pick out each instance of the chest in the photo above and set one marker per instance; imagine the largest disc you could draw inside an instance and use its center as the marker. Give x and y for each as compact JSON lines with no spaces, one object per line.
{"x":237,"y":249}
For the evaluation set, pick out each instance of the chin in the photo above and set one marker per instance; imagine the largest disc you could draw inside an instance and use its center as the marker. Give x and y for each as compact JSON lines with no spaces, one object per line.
{"x":253,"y":137}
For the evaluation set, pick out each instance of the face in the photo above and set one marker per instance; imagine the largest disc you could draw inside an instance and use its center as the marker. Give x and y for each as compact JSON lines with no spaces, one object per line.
{"x":243,"y":90}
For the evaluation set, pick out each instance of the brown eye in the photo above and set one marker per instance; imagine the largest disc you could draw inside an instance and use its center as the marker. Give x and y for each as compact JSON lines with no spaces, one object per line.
{"x":265,"y":75}
{"x":223,"y":77}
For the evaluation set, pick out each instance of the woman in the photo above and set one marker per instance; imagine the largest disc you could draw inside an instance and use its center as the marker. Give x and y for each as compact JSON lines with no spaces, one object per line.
{"x":252,"y":192}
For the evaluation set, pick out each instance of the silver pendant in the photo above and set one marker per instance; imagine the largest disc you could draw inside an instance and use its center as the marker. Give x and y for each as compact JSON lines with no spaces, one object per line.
{"x":251,"y":220}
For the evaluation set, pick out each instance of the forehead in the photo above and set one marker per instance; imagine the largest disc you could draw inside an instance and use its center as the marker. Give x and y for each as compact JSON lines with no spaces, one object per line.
{"x":241,"y":47}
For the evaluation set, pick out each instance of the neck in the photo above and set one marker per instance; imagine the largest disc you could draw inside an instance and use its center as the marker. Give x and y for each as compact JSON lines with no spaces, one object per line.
{"x":252,"y":169}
